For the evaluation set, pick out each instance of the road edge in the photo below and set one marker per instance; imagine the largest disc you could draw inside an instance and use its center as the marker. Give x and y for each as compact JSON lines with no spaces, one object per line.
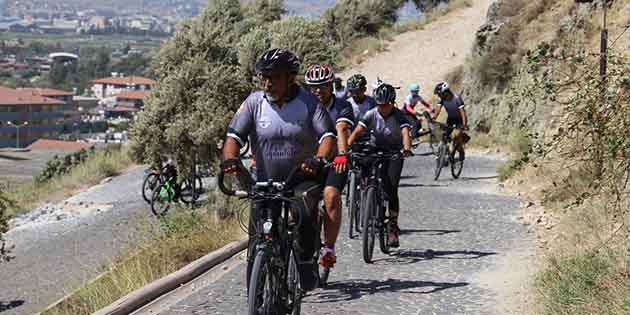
{"x":145,"y":295}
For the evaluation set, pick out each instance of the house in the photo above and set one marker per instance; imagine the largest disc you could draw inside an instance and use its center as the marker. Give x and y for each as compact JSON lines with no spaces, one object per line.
{"x":71,"y":115}
{"x":26,"y":116}
{"x":112,"y":86}
{"x":128,"y":103}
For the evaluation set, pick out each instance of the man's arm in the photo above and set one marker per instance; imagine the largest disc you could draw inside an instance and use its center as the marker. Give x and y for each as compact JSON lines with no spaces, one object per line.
{"x":231,"y":149}
{"x":462,"y":112}
{"x":406,"y":133}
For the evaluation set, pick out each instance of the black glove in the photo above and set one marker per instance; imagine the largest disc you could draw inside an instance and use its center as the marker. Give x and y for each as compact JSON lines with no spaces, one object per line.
{"x":313,"y":165}
{"x":231,"y":166}
{"x":407,"y":153}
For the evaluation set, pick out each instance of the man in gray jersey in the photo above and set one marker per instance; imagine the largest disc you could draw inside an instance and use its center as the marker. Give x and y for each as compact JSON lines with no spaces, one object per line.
{"x":361,"y":103}
{"x":286,"y":127}
{"x":391,"y":130}
{"x":319,"y":79}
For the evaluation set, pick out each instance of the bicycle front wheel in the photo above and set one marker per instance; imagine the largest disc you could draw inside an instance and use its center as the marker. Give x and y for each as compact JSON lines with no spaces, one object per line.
{"x":369,"y":228}
{"x":160,"y":201}
{"x":439,"y":161}
{"x":352,"y":196}
{"x":457,"y":164}
{"x":262,"y":287}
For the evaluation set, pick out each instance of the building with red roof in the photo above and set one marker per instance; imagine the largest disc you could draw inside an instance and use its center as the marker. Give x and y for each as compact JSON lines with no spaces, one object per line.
{"x":26,"y":115}
{"x":108,"y":87}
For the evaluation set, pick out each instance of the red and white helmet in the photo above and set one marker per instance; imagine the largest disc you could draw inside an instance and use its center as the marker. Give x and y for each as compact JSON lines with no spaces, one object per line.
{"x":319,"y":74}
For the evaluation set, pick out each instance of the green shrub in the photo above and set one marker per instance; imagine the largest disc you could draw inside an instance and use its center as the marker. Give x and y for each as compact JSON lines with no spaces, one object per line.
{"x":520,"y":146}
{"x":5,"y":203}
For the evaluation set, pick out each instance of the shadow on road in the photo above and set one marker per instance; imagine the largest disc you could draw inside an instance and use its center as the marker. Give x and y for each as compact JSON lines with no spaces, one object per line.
{"x":354,"y":289}
{"x":5,"y":306}
{"x":428,"y":232}
{"x":411,"y":256}
{"x":403,"y":185}
{"x":408,"y":176}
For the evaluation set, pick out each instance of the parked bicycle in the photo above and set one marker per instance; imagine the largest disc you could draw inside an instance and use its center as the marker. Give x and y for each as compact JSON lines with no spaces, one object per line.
{"x":446,"y":155}
{"x":273,"y":281}
{"x":375,"y":202}
{"x":166,"y":190}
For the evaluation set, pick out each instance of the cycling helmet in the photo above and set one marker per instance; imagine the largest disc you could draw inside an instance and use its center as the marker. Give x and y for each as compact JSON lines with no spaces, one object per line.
{"x":278,"y":60}
{"x":356,"y":82}
{"x":441,"y":88}
{"x":319,"y":74}
{"x":385,"y":94}
{"x":414,"y":88}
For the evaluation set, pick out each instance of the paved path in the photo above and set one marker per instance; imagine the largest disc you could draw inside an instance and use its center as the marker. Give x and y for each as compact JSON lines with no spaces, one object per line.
{"x":456,"y":236}
{"x":54,"y":257}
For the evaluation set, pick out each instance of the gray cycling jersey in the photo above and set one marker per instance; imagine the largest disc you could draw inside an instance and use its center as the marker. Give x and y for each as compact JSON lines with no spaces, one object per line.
{"x":362,"y":108}
{"x":281,"y":137}
{"x":386,"y":133}
{"x":452,"y":107}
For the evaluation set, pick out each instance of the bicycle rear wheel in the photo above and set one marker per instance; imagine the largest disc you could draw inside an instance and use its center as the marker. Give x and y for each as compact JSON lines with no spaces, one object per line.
{"x":262,"y":287}
{"x":433,"y":143}
{"x":160,"y":201}
{"x":188,"y":195}
{"x":457,"y":164}
{"x":383,"y":231}
{"x":293,"y":285}
{"x":148,"y":185}
{"x":369,"y":228}
{"x":439,"y":162}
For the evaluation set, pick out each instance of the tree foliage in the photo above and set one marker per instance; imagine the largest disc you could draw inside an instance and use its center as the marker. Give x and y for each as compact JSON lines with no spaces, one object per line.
{"x":350,"y":19}
{"x":201,"y":85}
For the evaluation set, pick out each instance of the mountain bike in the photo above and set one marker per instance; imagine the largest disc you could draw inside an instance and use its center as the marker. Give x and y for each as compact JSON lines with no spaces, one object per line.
{"x":375,"y":202}
{"x":273,"y":279}
{"x":454,"y":157}
{"x":151,"y":180}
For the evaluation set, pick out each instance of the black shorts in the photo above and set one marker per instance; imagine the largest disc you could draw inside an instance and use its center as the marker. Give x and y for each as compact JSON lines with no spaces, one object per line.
{"x":337,"y":180}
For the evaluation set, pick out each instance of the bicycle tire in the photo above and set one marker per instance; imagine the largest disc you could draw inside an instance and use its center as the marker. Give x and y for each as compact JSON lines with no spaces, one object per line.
{"x":159,"y":206}
{"x":369,"y":230}
{"x":457,"y":164}
{"x":260,"y":299}
{"x":293,"y":285}
{"x":439,"y":162}
{"x":148,"y":185}
{"x":352,"y":191}
{"x":188,"y":196}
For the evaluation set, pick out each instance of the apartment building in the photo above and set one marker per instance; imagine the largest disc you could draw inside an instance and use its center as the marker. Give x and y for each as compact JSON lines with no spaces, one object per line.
{"x":26,"y":116}
{"x":112,"y":86}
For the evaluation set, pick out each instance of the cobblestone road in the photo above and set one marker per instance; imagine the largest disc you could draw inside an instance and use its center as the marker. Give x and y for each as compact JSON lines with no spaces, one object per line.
{"x":452,"y":231}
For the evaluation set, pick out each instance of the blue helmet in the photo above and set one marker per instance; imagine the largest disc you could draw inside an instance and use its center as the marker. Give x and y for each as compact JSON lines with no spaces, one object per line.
{"x":414,"y":88}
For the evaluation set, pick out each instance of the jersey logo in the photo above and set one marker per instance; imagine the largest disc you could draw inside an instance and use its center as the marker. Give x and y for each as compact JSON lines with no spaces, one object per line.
{"x":264,"y":123}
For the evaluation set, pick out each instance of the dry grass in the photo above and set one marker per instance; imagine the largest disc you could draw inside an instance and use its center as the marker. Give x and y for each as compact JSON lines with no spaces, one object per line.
{"x":180,"y":239}
{"x":102,"y":164}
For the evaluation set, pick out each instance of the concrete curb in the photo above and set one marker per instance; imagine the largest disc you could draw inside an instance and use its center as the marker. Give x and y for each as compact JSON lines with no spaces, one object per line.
{"x":155,"y":289}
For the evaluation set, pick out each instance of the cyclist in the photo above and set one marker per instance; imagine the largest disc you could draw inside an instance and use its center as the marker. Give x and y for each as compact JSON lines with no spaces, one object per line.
{"x":457,"y":117}
{"x":320,"y":78}
{"x":361,"y":103}
{"x":390,"y":130}
{"x":340,"y":90}
{"x":409,"y":108}
{"x":286,"y":126}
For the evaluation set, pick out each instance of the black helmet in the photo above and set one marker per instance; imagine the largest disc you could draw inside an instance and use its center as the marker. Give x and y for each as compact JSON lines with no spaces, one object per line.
{"x":278,"y":60}
{"x":441,"y":88}
{"x":356,"y":82}
{"x":384,"y":94}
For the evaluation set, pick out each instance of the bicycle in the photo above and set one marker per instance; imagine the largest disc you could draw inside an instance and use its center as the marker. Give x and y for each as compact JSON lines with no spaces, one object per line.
{"x":353,"y":201}
{"x":151,"y":180}
{"x":454,"y":156}
{"x":375,"y":202}
{"x":165,"y":194}
{"x":273,"y":281}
